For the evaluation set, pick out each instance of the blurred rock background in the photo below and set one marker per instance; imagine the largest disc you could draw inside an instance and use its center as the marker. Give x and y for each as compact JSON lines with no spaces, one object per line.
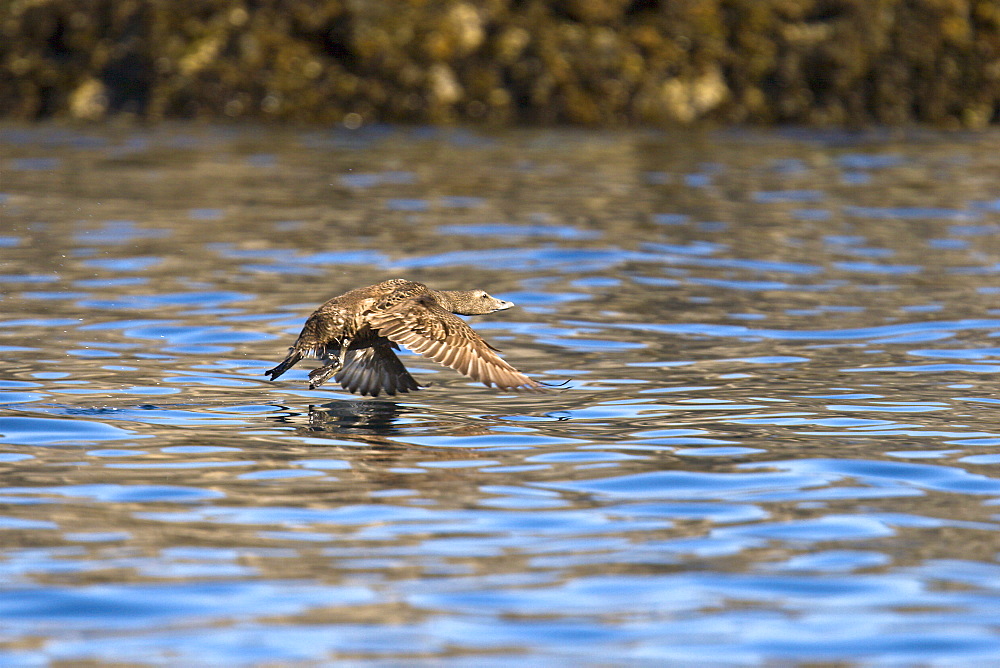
{"x":587,"y":62}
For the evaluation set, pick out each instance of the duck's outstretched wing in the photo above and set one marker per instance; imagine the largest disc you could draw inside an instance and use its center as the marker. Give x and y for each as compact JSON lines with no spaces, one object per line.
{"x":375,"y":369}
{"x":424,"y":327}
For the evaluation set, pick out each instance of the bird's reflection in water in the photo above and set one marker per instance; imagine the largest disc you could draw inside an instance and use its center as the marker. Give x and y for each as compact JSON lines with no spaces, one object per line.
{"x":375,"y":439}
{"x":357,"y":417}
{"x":377,"y":422}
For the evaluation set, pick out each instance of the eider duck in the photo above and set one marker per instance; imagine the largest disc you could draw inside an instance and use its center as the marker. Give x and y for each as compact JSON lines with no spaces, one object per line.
{"x":355,"y":335}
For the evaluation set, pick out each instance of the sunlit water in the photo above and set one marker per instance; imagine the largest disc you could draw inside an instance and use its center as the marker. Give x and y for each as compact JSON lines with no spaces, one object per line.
{"x":779,"y":440}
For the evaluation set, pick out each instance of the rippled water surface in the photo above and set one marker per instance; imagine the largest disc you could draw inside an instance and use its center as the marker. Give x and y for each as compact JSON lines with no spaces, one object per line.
{"x":779,"y":441}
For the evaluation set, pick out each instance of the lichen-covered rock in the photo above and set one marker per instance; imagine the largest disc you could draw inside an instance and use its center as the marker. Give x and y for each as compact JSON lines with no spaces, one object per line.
{"x":594,"y":62}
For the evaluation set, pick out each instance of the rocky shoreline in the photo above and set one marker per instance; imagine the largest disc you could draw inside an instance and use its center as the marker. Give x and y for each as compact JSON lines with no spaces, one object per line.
{"x":502,"y":62}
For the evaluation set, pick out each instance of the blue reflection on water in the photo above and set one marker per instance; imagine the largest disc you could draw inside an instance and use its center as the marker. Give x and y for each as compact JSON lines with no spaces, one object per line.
{"x":816,"y":484}
{"x":47,"y":431}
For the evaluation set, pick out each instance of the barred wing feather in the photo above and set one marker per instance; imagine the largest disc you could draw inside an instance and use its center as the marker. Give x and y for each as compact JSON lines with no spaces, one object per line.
{"x":424,"y":327}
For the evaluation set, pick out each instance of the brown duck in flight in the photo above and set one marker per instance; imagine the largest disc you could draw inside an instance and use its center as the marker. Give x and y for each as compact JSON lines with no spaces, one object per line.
{"x":355,"y":335}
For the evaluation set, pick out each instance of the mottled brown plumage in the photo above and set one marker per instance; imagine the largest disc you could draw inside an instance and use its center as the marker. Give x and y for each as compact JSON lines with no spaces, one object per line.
{"x":355,"y":335}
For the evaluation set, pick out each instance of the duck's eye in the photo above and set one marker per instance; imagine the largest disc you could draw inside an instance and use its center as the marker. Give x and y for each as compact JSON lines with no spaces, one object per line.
{"x":482,"y":294}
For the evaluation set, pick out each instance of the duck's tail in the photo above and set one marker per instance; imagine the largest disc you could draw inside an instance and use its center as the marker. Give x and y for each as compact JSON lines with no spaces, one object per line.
{"x":294,"y":357}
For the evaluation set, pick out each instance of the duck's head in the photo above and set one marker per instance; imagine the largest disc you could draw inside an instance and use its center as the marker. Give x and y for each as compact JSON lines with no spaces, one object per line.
{"x":470,"y":302}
